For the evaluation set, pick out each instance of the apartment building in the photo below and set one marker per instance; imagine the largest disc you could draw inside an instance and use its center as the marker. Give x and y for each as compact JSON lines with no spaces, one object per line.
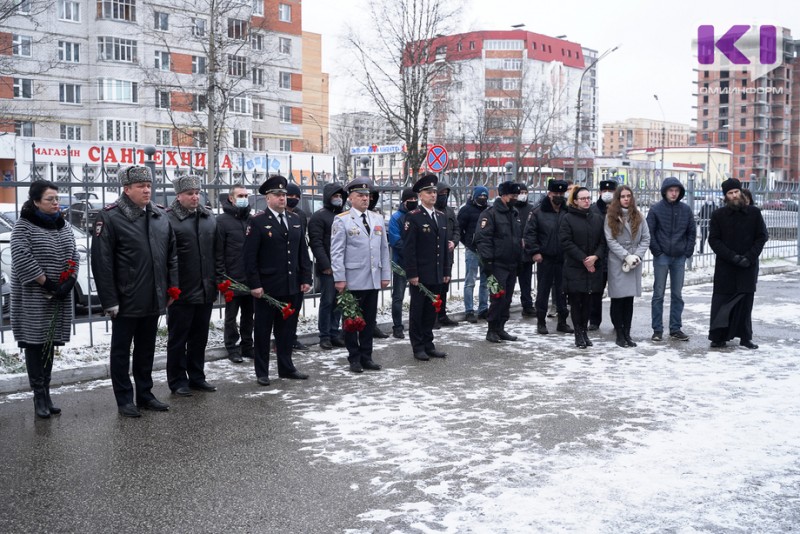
{"x":621,"y":136}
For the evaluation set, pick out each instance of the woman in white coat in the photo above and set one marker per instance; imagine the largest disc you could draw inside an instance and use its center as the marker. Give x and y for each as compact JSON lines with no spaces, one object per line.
{"x":628,"y":238}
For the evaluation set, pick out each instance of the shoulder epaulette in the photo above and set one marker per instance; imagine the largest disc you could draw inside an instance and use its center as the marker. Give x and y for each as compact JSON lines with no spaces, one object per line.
{"x":344,"y":213}
{"x":110,"y":206}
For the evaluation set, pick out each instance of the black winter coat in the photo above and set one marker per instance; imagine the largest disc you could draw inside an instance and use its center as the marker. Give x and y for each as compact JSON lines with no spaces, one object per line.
{"x":467,"y":218}
{"x":582,"y":235}
{"x":231,"y":226}
{"x":541,"y":232}
{"x":198,"y":268}
{"x":425,"y":247}
{"x":319,"y":228}
{"x":525,"y":209}
{"x":134,"y":258}
{"x":673,"y":230}
{"x":736,"y":232}
{"x":498,"y":237}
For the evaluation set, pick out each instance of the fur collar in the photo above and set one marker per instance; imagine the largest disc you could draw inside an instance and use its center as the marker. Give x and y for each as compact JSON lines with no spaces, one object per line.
{"x":181,"y":213}
{"x":28,"y":212}
{"x":131,"y":211}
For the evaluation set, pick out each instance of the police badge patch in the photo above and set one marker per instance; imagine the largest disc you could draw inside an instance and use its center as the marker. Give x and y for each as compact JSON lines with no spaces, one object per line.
{"x":98,"y":227}
{"x":483,"y":223}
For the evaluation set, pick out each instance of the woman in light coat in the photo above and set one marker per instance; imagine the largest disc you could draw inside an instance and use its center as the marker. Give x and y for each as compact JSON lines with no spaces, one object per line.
{"x":628,"y":238}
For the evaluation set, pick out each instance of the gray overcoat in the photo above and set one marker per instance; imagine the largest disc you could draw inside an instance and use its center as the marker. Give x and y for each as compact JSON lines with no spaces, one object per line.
{"x":620,"y":283}
{"x":359,"y":258}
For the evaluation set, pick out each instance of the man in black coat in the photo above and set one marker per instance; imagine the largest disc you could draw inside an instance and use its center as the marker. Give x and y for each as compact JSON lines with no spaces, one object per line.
{"x":600,"y":207}
{"x":498,"y":238}
{"x":543,"y":246}
{"x":319,"y":241}
{"x":453,"y":236}
{"x":737,"y":236}
{"x":525,"y":268}
{"x":198,"y":271}
{"x":468,"y":217}
{"x":293,"y":195}
{"x":135,"y":266}
{"x":277,"y":264}
{"x":427,"y":262}
{"x":231,"y":226}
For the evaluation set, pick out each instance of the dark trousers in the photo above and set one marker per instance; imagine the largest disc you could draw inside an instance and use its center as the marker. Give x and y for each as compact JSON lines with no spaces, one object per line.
{"x":187,"y":325}
{"x":421,"y":317}
{"x":525,"y":275}
{"x":499,"y":309}
{"x":579,"y":307}
{"x":329,"y":314}
{"x":399,"y":284}
{"x":443,"y":294}
{"x":596,"y":304}
{"x":39,"y":366}
{"x":142,"y":332}
{"x":244,"y":329}
{"x":549,"y":278}
{"x":268,"y":317}
{"x":621,"y":312}
{"x":359,"y":344}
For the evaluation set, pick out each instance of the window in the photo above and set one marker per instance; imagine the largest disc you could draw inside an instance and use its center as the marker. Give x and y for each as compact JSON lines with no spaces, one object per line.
{"x":503,"y":64}
{"x":258,"y":76}
{"x":286,"y":114}
{"x":163,"y":137}
{"x":472,"y":45}
{"x":744,"y":109}
{"x":512,"y":84}
{"x":24,"y":7}
{"x":742,"y":135}
{"x":503,"y":44}
{"x":258,"y":112}
{"x":71,"y":132}
{"x":23,"y":128}
{"x":284,"y":13}
{"x":743,"y":122}
{"x":198,"y":65}
{"x":742,"y":148}
{"x":69,"y":10}
{"x":162,"y":60}
{"x":257,"y":41}
{"x":239,"y":105}
{"x":21,"y":45}
{"x":118,"y":130}
{"x":69,"y":52}
{"x":162,"y":99}
{"x":198,"y":27}
{"x":69,"y":93}
{"x":199,"y":103}
{"x":23,"y":88}
{"x":285,"y":80}
{"x":117,"y":90}
{"x":259,"y":144}
{"x":240,"y":138}
{"x":284,"y":45}
{"x":116,"y":49}
{"x":161,"y":22}
{"x":117,"y":9}
{"x":237,"y":66}
{"x":286,"y":145}
{"x":237,"y":29}
{"x":200,"y":139}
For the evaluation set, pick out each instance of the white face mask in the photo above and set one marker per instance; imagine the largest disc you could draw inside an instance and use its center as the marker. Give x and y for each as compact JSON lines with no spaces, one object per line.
{"x":242,"y":203}
{"x":607,"y":196}
{"x":336,"y":202}
{"x":523,"y":197}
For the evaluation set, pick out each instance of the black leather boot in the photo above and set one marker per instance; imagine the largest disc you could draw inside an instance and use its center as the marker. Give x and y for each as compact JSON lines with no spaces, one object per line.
{"x":48,"y":370}
{"x":620,"y":338}
{"x":586,"y":337}
{"x":562,"y":325}
{"x":579,"y":341}
{"x":33,"y":364}
{"x":627,"y":333}
{"x":492,"y":333}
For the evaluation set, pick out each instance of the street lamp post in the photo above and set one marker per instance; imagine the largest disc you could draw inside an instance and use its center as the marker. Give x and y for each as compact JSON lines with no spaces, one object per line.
{"x":578,"y":115}
{"x":663,"y":133}
{"x":321,"y":135}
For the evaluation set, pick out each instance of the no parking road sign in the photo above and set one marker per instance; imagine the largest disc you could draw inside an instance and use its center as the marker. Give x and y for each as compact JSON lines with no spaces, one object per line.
{"x":437,"y":158}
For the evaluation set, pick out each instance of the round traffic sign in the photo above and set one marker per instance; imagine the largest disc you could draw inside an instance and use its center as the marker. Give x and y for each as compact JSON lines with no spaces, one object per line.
{"x":437,"y":158}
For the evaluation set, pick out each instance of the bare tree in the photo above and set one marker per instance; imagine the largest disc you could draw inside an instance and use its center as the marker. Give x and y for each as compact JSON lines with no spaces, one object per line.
{"x":399,"y":63}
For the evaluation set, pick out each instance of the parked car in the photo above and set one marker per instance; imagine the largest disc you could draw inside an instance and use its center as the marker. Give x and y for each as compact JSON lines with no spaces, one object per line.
{"x":789,"y":204}
{"x":773,"y":205}
{"x":5,"y":294}
{"x":83,"y":214}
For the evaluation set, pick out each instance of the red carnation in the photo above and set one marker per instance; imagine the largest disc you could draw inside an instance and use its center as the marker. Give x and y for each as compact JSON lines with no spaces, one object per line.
{"x":349,"y":325}
{"x":224,"y":286}
{"x":228,"y":295}
{"x":287,"y":311}
{"x":499,"y":294}
{"x":174,"y":293}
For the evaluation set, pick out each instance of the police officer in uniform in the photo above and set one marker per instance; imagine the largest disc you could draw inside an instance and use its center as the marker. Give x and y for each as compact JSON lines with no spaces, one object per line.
{"x":276,"y":263}
{"x":498,"y":239}
{"x":427,"y":262}
{"x":361,"y":264}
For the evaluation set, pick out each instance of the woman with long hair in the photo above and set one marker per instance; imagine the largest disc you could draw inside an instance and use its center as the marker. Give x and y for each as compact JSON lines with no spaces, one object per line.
{"x":44,"y":262}
{"x":583,"y":244}
{"x":628,"y":238}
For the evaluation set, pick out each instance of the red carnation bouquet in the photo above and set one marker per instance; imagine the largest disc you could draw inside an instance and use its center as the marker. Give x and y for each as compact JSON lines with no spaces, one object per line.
{"x":227,"y":286}
{"x":436,"y":300}
{"x":494,"y":287}
{"x":351,"y":312}
{"x":174,"y":292}
{"x":51,"y":329}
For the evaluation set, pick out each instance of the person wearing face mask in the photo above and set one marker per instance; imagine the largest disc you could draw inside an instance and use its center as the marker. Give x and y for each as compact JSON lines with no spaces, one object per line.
{"x":543,"y":246}
{"x":468,"y":217}
{"x":453,"y":236}
{"x":293,"y":194}
{"x":319,"y":241}
{"x":408,"y":202}
{"x":499,"y":241}
{"x":374,"y":198}
{"x":231,"y":227}
{"x":600,"y":207}
{"x":525,"y":269}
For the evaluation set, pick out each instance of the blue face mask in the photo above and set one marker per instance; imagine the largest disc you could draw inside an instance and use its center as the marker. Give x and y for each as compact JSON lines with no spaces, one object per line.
{"x":242,"y":203}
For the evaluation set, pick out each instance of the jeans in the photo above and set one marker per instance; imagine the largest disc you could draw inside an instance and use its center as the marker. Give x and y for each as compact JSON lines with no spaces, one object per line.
{"x":473,"y":264}
{"x":329,"y":314}
{"x":675,"y":267}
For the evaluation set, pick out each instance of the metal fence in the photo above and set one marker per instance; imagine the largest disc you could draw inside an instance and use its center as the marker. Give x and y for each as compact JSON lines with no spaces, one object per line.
{"x":779,"y":207}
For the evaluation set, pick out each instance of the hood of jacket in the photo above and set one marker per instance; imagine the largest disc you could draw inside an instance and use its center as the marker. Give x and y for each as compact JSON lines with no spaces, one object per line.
{"x":327,"y":193}
{"x":671,"y":181}
{"x":229,"y":208}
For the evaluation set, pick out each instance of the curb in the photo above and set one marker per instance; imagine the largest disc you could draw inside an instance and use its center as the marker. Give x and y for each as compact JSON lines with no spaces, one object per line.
{"x":100,"y":371}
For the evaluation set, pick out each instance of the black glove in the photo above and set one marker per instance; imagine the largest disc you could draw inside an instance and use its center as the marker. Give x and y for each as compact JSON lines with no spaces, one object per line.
{"x":50,"y":286}
{"x":487,"y":268}
{"x":65,"y":288}
{"x":741,"y":261}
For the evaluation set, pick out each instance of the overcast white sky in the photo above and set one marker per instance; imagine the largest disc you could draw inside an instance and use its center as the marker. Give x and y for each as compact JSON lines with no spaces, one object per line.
{"x":655,"y":38}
